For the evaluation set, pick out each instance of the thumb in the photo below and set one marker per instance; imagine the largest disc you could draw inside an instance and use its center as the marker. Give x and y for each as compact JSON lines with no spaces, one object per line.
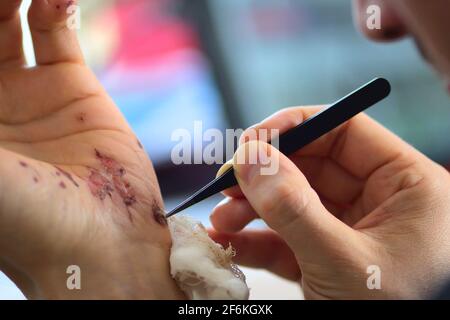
{"x":284,"y":199}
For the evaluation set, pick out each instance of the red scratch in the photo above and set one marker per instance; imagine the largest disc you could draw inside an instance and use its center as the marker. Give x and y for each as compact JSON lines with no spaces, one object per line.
{"x":159,"y":214}
{"x":67,"y":175}
{"x":109,"y":179}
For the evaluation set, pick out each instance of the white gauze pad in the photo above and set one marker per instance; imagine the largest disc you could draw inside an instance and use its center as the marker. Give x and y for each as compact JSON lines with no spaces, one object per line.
{"x":202,"y":268}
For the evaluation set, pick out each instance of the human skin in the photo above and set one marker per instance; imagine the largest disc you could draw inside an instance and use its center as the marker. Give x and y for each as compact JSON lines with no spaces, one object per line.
{"x":426,"y":22}
{"x":76,"y":186}
{"x":357,"y":197}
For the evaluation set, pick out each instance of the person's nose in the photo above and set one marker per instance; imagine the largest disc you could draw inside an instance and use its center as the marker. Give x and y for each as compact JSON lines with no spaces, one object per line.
{"x":391,"y":27}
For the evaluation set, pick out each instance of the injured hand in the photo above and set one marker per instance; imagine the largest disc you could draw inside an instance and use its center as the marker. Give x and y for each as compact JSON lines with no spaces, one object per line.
{"x":77,"y":188}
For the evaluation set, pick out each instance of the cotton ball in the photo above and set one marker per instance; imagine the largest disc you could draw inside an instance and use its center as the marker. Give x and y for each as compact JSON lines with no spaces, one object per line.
{"x":202,"y":268}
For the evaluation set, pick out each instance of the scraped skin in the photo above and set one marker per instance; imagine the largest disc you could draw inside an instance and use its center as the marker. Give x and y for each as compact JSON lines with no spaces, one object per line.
{"x":203,"y":268}
{"x":76,"y":186}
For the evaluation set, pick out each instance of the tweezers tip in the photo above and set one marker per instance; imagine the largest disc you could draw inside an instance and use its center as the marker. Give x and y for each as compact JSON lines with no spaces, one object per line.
{"x":196,"y":197}
{"x":175,"y":210}
{"x":170,"y":214}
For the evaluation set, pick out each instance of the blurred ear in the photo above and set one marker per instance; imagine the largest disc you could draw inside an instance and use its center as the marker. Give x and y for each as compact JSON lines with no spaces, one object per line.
{"x":391,"y":26}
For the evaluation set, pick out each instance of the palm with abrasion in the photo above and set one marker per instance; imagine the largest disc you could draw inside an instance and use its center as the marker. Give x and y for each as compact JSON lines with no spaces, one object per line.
{"x":76,"y":186}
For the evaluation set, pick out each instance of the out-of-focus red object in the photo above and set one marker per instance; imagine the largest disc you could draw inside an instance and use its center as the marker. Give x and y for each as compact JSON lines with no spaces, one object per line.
{"x":146,"y":35}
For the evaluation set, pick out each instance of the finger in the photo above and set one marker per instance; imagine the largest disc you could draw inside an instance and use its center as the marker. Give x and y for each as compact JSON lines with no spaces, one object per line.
{"x":233,"y":192}
{"x":318,"y":170}
{"x":287,"y":203}
{"x":255,"y":133}
{"x":329,"y":179}
{"x":278,"y":121}
{"x":53,"y":29}
{"x":360,"y":146}
{"x":11,"y":53}
{"x":326,"y":176}
{"x":232,"y":215}
{"x":261,"y":249}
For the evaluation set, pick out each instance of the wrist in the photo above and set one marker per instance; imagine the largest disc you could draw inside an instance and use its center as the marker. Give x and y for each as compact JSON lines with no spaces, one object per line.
{"x":120,"y":277}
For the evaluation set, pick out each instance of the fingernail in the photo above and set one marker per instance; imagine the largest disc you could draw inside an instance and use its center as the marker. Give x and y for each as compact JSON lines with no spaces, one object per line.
{"x":227,"y":165}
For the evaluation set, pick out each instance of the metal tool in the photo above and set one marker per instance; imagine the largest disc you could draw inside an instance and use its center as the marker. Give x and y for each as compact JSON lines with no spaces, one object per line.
{"x":303,"y":134}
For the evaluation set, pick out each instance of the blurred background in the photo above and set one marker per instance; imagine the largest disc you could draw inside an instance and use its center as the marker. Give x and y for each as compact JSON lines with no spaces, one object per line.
{"x":230,"y":64}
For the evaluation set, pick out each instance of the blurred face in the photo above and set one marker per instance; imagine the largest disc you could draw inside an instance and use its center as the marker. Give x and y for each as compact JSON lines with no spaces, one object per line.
{"x":427,"y":21}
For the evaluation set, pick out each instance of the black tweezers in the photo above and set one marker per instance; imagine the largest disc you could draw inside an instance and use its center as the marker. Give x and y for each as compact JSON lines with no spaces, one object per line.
{"x":303,"y":134}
